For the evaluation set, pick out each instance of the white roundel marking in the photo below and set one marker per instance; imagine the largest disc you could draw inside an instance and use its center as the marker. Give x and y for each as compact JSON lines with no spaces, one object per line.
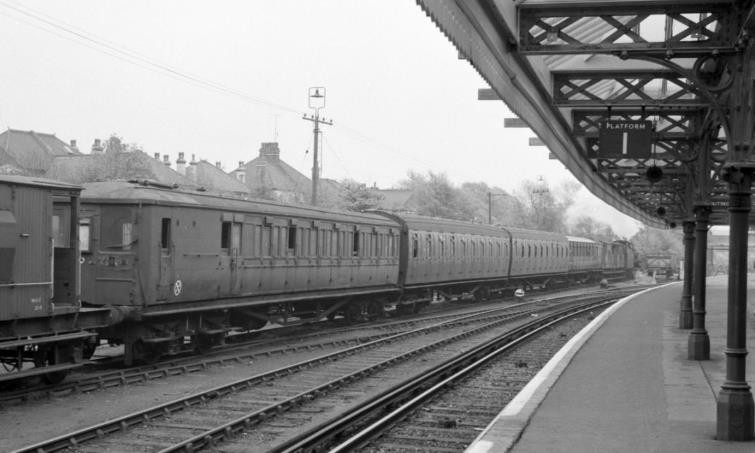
{"x":177,"y":287}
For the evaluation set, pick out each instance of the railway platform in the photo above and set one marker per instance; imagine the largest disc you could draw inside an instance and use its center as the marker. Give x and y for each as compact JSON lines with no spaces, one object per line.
{"x":626,"y":385}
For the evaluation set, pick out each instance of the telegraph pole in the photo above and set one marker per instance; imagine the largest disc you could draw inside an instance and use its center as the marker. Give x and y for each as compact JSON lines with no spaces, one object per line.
{"x":316,"y":102}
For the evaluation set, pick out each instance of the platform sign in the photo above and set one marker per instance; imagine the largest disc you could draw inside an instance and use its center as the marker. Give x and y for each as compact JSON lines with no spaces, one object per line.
{"x":625,"y":139}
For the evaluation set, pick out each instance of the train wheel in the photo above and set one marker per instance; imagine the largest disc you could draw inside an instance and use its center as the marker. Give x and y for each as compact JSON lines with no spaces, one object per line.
{"x":146,"y":353}
{"x":353,"y":313}
{"x":405,"y":309}
{"x":375,"y":310}
{"x":203,"y":342}
{"x":89,"y":348}
{"x":481,"y":295}
{"x":47,"y":357}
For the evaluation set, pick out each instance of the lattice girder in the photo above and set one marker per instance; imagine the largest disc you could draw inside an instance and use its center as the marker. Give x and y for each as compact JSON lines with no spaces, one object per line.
{"x":698,"y":28}
{"x":625,"y":88}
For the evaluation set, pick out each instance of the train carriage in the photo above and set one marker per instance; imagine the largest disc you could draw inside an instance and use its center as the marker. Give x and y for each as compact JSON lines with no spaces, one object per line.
{"x":41,"y":319}
{"x":585,"y":257}
{"x":194,"y":265}
{"x":447,"y":255}
{"x":161,"y":269}
{"x":540,"y":257}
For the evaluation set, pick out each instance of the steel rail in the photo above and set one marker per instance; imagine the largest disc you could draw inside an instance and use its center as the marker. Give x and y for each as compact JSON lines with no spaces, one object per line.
{"x":415,"y":391}
{"x":124,"y":422}
{"x":217,"y":357}
{"x":215,"y":435}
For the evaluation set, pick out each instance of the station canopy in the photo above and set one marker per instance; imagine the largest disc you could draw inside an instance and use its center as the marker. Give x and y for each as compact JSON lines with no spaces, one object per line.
{"x":573,"y":70}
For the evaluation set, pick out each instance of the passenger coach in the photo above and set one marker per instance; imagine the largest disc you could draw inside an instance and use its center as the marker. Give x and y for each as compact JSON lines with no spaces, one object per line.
{"x":194,"y":265}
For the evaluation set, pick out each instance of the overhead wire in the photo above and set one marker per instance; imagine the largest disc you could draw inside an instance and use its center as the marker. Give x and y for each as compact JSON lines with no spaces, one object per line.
{"x":124,"y":53}
{"x":97,"y":43}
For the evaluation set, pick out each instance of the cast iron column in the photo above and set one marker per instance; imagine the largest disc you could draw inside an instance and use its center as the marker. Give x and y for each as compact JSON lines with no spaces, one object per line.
{"x":685,"y":311}
{"x":735,"y":404}
{"x":698,"y":343}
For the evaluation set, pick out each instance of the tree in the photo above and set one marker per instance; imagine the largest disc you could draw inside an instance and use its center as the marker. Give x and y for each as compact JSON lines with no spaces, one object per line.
{"x":655,"y":241}
{"x":592,"y":229}
{"x":356,"y":196}
{"x":435,"y":196}
{"x":504,"y":208}
{"x":545,"y":209}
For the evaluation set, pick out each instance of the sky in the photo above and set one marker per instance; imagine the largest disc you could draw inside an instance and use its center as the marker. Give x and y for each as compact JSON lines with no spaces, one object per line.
{"x":216,"y":79}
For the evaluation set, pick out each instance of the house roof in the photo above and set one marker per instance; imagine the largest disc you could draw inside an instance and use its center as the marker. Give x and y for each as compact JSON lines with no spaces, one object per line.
{"x":113,"y":166}
{"x":396,"y":199}
{"x":216,"y":180}
{"x":6,"y":159}
{"x":34,"y":151}
{"x":268,"y":171}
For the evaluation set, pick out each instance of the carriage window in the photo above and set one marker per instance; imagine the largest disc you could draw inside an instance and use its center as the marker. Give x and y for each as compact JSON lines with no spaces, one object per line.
{"x":292,"y":239}
{"x":304,"y":242}
{"x":324,"y":242}
{"x":313,"y":242}
{"x":355,"y":244}
{"x":225,"y":235}
{"x":56,"y":233}
{"x":84,"y":228}
{"x":265,"y":241}
{"x":165,"y":233}
{"x":415,"y":246}
{"x":126,"y":241}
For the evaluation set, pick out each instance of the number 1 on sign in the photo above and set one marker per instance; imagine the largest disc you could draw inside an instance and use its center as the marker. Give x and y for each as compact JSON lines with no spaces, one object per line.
{"x":624,"y":139}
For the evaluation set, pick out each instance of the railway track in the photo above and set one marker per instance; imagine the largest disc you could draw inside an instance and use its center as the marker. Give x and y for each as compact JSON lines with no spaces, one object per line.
{"x":266,"y":344}
{"x":445,"y":408}
{"x":94,"y":379}
{"x":267,"y":408}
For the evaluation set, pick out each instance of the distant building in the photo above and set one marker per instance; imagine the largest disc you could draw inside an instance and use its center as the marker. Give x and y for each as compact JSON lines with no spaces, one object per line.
{"x":114,"y":165}
{"x":214,"y":179}
{"x":718,"y":250}
{"x":8,"y":165}
{"x":30,"y":152}
{"x":401,"y":200}
{"x":267,"y":176}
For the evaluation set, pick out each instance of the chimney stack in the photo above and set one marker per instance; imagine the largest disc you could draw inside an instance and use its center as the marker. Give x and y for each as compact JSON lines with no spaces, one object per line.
{"x":157,"y":156}
{"x":97,"y":147}
{"x":166,"y":160}
{"x":73,"y":146}
{"x":191,"y":171}
{"x":181,"y":164}
{"x":241,"y":172}
{"x":219,"y":165}
{"x":270,"y":151}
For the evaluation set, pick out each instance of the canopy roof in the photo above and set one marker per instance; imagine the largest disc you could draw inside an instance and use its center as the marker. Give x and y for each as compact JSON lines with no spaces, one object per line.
{"x":564,"y":66}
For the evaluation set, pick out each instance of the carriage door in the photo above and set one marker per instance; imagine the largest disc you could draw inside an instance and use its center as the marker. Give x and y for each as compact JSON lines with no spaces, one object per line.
{"x":231,"y":244}
{"x":167,"y":286}
{"x":235,"y":253}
